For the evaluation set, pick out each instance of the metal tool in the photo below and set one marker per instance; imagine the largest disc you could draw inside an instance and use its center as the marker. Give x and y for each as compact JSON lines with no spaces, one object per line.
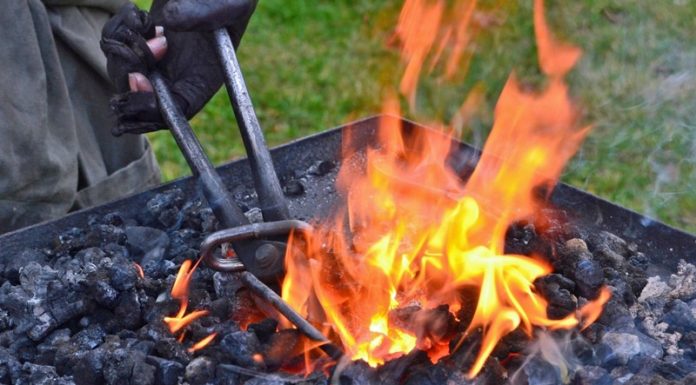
{"x":257,"y":245}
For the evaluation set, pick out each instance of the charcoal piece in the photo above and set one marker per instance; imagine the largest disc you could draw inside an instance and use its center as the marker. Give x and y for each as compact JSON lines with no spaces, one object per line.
{"x":609,"y":242}
{"x":464,"y":348}
{"x":66,"y":307}
{"x":46,"y":350}
{"x":591,"y":375}
{"x":66,"y":356}
{"x":679,"y":316}
{"x":124,"y":366}
{"x":209,"y":222}
{"x":143,"y":373}
{"x":105,"y":294}
{"x":35,"y":279}
{"x":5,"y":320}
{"x":540,"y":372}
{"x":639,"y":261}
{"x":224,"y":376}
{"x":9,"y":366}
{"x":589,"y":278}
{"x":89,"y":338}
{"x":583,"y":350}
{"x":293,"y":187}
{"x":43,"y":325}
{"x":143,"y":346}
{"x":142,"y":240}
{"x":555,"y":289}
{"x":399,"y":369}
{"x":113,"y":218}
{"x":357,"y":373}
{"x":69,"y":241}
{"x":128,"y":311}
{"x":283,"y":347}
{"x":123,"y":274}
{"x":652,"y":379}
{"x":163,"y":209}
{"x":264,"y":381}
{"x":39,"y":375}
{"x":171,"y":349}
{"x":264,"y":329}
{"x":11,"y":271}
{"x":221,"y":308}
{"x":200,"y":371}
{"x":674,"y":371}
{"x":514,"y":342}
{"x":183,"y":245}
{"x":618,"y":348}
{"x":254,"y":215}
{"x":158,"y":310}
{"x":102,"y":234}
{"x":321,"y":168}
{"x":115,"y":251}
{"x":226,"y":285}
{"x":615,"y":313}
{"x":240,"y":348}
{"x":167,"y":372}
{"x":90,"y":369}
{"x":23,"y":348}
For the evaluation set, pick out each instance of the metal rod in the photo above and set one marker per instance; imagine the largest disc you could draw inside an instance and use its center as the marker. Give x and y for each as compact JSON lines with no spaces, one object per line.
{"x":241,"y":233}
{"x":283,"y":308}
{"x":273,"y":204}
{"x":219,"y":199}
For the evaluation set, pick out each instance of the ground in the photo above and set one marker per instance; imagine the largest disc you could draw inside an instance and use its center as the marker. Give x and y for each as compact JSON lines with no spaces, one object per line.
{"x":314,"y":65}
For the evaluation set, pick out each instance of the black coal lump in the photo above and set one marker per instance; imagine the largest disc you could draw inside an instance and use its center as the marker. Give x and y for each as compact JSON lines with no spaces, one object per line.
{"x":200,"y":371}
{"x":167,"y":372}
{"x":264,"y":329}
{"x":124,"y":366}
{"x":240,"y":347}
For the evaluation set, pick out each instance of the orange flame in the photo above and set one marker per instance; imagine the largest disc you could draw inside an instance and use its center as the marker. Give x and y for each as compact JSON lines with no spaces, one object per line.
{"x":428,"y":29}
{"x":180,"y":291}
{"x":412,"y":233}
{"x":202,"y":343}
{"x":140,"y":271}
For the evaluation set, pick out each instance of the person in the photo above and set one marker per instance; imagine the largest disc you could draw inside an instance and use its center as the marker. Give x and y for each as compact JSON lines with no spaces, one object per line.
{"x":62,"y":147}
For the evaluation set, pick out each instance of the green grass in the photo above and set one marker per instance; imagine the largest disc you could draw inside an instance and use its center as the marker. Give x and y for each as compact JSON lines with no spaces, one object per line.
{"x":313,"y":65}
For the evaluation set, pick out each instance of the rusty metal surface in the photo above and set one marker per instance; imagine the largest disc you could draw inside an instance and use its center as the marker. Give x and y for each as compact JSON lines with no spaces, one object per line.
{"x":664,"y":245}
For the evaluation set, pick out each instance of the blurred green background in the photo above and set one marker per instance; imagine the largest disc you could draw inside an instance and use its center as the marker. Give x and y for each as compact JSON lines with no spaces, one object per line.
{"x":311,"y":66}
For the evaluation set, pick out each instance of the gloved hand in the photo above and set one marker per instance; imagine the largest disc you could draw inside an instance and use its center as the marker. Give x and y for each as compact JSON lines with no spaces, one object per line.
{"x":182,"y":51}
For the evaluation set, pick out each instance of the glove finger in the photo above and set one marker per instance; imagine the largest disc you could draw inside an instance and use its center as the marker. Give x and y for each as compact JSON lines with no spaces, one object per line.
{"x":206,"y":15}
{"x":136,"y":113}
{"x":124,"y":43}
{"x":129,"y":22}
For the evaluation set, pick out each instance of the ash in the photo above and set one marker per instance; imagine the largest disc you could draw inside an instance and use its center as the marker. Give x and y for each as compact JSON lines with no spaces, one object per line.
{"x":79,"y":312}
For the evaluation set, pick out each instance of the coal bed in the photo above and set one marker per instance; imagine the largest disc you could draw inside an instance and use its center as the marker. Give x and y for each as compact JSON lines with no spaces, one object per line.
{"x":83,"y":298}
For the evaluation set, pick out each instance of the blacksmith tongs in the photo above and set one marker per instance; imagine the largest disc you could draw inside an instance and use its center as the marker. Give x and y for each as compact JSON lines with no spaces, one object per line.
{"x":258,"y":246}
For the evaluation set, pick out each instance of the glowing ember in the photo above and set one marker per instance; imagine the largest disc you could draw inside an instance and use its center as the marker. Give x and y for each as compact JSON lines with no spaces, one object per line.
{"x":412,"y":233}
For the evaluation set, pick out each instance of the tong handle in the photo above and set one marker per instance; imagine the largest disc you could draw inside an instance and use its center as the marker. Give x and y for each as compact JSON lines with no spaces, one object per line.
{"x":219,"y":199}
{"x":271,"y":199}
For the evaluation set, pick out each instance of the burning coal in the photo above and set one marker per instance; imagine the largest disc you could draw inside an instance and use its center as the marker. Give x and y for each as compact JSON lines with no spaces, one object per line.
{"x":413,"y":234}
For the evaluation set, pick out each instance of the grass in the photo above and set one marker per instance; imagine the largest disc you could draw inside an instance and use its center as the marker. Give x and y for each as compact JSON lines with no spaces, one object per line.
{"x":313,"y":65}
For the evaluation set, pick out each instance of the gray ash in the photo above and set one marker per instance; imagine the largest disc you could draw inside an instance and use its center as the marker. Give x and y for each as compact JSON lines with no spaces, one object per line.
{"x":78,"y":312}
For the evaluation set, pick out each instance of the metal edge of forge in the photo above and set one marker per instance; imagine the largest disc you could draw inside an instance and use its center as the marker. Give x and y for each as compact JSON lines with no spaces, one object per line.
{"x":664,"y":245}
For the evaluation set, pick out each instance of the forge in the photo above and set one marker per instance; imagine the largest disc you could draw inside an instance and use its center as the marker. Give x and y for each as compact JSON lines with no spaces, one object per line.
{"x":83,"y":298}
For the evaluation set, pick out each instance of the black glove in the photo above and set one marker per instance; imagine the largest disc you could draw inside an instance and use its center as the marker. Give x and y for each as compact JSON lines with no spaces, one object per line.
{"x":190,"y":66}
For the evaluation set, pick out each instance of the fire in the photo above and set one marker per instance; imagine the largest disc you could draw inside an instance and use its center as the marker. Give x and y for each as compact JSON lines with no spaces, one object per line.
{"x":413,"y":235}
{"x":180,"y":291}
